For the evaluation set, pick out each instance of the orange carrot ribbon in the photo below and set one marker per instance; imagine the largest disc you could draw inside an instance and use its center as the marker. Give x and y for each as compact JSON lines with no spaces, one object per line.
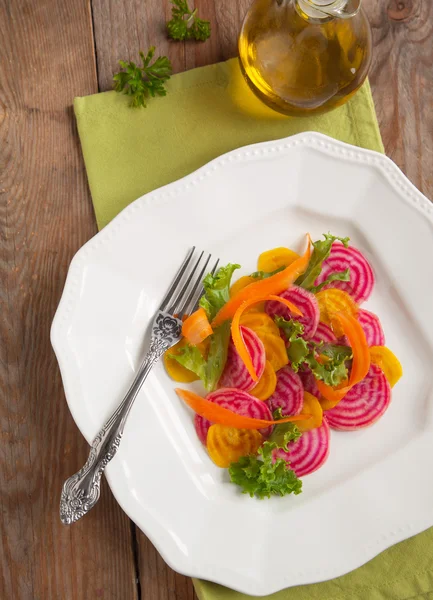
{"x":196,"y":327}
{"x":272,"y":285}
{"x":238,"y":340}
{"x":218,"y":414}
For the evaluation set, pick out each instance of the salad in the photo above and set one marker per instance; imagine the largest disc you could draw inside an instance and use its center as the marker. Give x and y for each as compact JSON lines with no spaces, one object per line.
{"x":285,"y":355}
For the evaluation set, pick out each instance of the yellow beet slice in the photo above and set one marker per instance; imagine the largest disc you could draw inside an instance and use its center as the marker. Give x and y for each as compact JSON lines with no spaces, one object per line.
{"x":240,"y":284}
{"x":259,"y":321}
{"x":275,"y":349}
{"x":227,"y":444}
{"x":267,"y":383}
{"x":274,"y":259}
{"x":312,"y":407}
{"x":331,"y":302}
{"x":388,"y":362}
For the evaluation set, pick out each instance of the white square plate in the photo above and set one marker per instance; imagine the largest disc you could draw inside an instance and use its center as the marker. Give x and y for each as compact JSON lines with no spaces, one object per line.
{"x":377,"y":486}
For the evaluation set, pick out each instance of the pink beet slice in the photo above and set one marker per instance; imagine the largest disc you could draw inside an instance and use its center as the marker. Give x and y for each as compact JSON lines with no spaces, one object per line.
{"x":235,"y":374}
{"x":239,"y":402}
{"x":309,"y":452}
{"x":364,"y":404}
{"x":309,"y":382}
{"x":323,"y":334}
{"x":372,"y":328}
{"x":305,"y":301}
{"x":361,"y":281}
{"x":289,"y":393}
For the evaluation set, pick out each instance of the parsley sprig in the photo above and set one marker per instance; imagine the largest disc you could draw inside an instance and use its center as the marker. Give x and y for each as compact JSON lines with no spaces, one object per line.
{"x":301,"y":351}
{"x":264,"y":476}
{"x":185,"y":24}
{"x":142,"y":82}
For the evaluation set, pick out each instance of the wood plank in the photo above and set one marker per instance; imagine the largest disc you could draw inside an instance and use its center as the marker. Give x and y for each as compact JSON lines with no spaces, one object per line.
{"x":401,"y":78}
{"x":45,"y":215}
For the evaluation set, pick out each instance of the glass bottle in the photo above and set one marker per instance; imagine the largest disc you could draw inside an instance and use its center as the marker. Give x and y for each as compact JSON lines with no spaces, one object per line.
{"x":305,"y":57}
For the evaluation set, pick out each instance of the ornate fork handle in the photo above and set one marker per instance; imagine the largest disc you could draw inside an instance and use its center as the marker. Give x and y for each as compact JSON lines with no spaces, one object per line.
{"x":81,"y":491}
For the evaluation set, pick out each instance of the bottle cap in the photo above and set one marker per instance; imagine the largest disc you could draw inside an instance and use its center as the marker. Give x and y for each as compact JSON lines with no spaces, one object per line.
{"x":321,"y":9}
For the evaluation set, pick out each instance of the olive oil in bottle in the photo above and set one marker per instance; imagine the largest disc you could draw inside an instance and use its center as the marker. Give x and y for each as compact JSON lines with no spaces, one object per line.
{"x":305,"y":57}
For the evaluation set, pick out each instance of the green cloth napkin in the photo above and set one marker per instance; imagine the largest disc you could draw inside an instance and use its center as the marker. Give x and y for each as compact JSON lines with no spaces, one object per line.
{"x":209,"y":111}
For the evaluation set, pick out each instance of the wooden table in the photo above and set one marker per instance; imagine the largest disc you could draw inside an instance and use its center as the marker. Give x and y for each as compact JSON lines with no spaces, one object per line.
{"x":52,"y":51}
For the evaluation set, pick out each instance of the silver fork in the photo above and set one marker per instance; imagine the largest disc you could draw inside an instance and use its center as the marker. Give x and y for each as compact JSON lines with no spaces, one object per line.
{"x":81,"y":492}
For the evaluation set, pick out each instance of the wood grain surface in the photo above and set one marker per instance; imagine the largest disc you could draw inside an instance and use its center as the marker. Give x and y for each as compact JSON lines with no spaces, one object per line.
{"x":46,"y":215}
{"x":51,"y":52}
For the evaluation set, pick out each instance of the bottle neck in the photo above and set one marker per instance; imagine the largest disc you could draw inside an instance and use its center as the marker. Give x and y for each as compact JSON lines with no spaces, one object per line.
{"x":326,"y":9}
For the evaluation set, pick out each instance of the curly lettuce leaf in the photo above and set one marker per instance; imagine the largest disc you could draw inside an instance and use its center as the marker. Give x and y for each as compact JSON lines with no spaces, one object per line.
{"x":216,"y":294}
{"x":192,"y":359}
{"x":208,"y":369}
{"x":283,"y":433}
{"x":332,"y":373}
{"x":260,"y":476}
{"x":217,"y":290}
{"x":334,"y":370}
{"x":304,"y":352}
{"x":321,"y":251}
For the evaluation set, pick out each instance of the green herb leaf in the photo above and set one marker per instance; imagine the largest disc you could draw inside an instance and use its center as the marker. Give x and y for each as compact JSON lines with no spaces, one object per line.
{"x":216,"y":294}
{"x":322,"y":249}
{"x":298,"y":348}
{"x":217,"y":357}
{"x":342,"y":276}
{"x":145,"y":81}
{"x":264,"y":274}
{"x":260,"y":476}
{"x":185,"y":24}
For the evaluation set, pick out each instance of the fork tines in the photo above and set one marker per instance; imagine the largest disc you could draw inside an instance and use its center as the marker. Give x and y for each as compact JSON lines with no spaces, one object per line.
{"x":186,"y":287}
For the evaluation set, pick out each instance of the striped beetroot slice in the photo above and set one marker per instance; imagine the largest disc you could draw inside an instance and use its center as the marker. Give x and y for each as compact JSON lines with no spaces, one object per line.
{"x":309,"y":452}
{"x":302,"y":299}
{"x":289,"y":393}
{"x":372,"y":328}
{"x":239,"y":402}
{"x":235,"y":373}
{"x":364,"y":404}
{"x":361,"y":281}
{"x":323,"y":334}
{"x":309,"y":382}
